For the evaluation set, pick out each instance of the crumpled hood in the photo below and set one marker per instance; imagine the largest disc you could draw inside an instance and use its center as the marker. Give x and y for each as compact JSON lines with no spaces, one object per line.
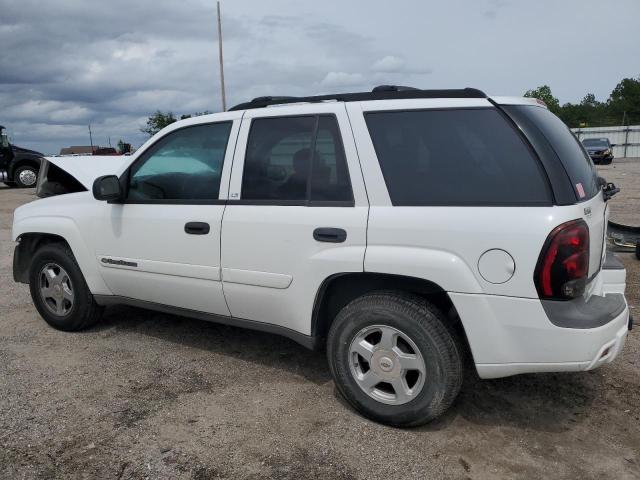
{"x":87,"y":168}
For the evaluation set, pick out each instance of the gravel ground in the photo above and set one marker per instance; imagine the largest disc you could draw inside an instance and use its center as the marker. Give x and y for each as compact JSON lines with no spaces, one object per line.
{"x":148,"y":395}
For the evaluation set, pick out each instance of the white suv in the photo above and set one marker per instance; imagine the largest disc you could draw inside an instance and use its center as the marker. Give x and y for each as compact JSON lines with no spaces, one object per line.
{"x":403,"y":228}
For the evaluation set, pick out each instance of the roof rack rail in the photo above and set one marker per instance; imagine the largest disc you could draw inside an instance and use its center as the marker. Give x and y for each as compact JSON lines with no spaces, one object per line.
{"x":382,"y":92}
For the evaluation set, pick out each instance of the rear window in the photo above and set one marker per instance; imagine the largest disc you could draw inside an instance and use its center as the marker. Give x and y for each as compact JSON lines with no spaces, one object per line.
{"x":455,"y":157}
{"x":572,"y":155}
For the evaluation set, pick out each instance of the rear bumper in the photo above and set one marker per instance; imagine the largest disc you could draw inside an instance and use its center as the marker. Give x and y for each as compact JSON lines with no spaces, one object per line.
{"x":510,"y":335}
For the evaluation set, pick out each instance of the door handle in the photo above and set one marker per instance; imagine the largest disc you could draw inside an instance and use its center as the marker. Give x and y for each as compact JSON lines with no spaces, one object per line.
{"x":197,"y":228}
{"x":331,"y":235}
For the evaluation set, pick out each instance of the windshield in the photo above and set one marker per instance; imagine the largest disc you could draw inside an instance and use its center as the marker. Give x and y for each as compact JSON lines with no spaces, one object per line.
{"x":595,"y":142}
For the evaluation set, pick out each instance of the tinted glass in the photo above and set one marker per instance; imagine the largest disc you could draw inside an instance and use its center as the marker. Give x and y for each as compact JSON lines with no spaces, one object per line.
{"x":595,"y":142}
{"x":576,"y":162}
{"x":184,"y":165}
{"x":280,"y":152}
{"x":455,"y":157}
{"x":276,"y":166}
{"x":329,"y":178}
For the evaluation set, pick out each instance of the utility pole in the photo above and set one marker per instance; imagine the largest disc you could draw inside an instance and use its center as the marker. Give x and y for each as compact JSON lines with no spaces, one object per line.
{"x":224,"y":100}
{"x":90,"y":138}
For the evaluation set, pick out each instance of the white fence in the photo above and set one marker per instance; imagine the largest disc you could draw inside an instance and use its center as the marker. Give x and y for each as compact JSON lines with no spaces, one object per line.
{"x":627,"y":139}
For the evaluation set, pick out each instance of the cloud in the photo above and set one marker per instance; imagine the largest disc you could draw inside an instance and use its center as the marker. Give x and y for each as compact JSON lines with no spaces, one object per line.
{"x":388,"y":64}
{"x":494,"y":7}
{"x":67,"y":63}
{"x":342,"y":79}
{"x":397,"y":65}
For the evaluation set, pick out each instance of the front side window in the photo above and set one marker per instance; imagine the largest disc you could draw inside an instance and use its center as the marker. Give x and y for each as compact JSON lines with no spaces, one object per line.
{"x":455,"y":157}
{"x":184,"y":165}
{"x":295,"y":159}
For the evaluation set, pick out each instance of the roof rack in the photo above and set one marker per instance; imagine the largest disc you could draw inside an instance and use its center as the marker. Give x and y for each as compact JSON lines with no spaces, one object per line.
{"x":382,"y":92}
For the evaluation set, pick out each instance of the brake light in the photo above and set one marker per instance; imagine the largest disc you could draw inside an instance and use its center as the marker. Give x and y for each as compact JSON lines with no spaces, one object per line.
{"x":563,"y":265}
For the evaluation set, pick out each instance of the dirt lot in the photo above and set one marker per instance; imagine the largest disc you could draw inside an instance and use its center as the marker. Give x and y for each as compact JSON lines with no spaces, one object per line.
{"x":147,"y":395}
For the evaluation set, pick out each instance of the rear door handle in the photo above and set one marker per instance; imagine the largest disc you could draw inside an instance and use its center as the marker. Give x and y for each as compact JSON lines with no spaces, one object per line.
{"x":331,"y":235}
{"x":197,"y":228}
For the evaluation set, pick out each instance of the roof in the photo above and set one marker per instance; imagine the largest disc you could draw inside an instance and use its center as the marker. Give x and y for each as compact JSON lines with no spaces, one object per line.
{"x":382,"y":92}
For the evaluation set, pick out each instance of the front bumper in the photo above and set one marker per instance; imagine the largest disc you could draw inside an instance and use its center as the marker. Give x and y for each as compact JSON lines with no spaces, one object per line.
{"x":600,"y":158}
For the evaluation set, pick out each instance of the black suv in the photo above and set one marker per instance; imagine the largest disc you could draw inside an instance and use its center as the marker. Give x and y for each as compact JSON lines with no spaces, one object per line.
{"x":599,"y":149}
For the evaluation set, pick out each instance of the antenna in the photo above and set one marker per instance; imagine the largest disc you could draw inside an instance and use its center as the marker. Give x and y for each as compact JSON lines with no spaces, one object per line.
{"x":224,"y":100}
{"x":90,"y":138}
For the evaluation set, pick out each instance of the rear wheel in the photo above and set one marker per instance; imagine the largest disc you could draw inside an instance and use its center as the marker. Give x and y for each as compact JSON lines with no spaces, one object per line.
{"x":393,"y":358}
{"x":26,"y":176}
{"x":59,"y":290}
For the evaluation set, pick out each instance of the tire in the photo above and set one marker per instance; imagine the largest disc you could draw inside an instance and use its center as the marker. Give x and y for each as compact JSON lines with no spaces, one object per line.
{"x":70,"y":307}
{"x":638,"y":250}
{"x":25,"y":176}
{"x":423,"y":331}
{"x":607,"y":161}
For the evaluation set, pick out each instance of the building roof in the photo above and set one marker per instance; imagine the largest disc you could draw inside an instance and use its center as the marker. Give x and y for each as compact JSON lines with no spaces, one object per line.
{"x":82,"y":149}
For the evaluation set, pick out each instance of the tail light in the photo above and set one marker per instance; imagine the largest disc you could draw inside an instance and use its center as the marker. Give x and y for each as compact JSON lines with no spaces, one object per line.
{"x":563,"y":265}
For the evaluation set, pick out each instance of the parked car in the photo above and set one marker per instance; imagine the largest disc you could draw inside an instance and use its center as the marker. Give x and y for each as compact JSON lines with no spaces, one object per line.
{"x":403,"y":229}
{"x":18,"y":166}
{"x":600,"y":150}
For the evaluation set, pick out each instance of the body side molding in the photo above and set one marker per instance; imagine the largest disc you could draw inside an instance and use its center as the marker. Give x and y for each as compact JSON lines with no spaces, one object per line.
{"x":310,"y":342}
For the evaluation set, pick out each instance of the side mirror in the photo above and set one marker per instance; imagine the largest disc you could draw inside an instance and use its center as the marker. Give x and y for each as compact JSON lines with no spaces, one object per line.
{"x":107,"y":188}
{"x":613,"y":145}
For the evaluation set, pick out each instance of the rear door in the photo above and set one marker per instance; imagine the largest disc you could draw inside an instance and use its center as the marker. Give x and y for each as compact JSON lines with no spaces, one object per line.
{"x":297,"y":212}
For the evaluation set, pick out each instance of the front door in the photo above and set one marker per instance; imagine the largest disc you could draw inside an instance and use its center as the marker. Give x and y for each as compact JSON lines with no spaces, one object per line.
{"x":297,"y":212}
{"x":162,"y":245}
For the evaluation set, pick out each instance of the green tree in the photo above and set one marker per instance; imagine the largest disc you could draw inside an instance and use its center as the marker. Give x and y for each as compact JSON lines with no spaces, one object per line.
{"x":544,"y":93}
{"x":157,"y":122}
{"x":589,"y":100}
{"x":626,"y":98}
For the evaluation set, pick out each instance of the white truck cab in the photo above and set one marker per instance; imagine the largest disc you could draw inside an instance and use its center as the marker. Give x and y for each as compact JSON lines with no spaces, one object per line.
{"x":401,"y":228}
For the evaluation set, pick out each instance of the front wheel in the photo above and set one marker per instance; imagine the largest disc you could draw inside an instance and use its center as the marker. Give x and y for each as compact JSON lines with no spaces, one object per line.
{"x":59,"y":290}
{"x":393,"y":358}
{"x":26,"y":176}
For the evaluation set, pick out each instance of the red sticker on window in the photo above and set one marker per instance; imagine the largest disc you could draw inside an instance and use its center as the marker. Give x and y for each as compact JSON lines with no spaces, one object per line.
{"x":580,"y":190}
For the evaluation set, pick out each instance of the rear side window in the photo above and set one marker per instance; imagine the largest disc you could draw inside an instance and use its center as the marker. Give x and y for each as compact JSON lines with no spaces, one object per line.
{"x":296,"y":159}
{"x":455,"y":157}
{"x":572,"y":155}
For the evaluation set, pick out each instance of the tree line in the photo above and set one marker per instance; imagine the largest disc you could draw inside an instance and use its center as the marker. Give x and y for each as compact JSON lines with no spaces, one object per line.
{"x":621,"y":108}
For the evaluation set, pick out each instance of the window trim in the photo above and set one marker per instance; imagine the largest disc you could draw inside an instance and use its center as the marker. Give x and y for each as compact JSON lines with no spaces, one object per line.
{"x":299,"y":203}
{"x":548,"y":188}
{"x":125,"y":177}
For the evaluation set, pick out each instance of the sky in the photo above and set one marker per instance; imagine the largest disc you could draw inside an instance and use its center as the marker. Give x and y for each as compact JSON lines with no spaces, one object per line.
{"x":65,"y":64}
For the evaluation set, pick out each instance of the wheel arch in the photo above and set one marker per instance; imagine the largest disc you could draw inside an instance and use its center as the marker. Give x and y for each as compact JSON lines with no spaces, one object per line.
{"x":338,"y":290}
{"x":19,"y":162}
{"x":32,"y":233}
